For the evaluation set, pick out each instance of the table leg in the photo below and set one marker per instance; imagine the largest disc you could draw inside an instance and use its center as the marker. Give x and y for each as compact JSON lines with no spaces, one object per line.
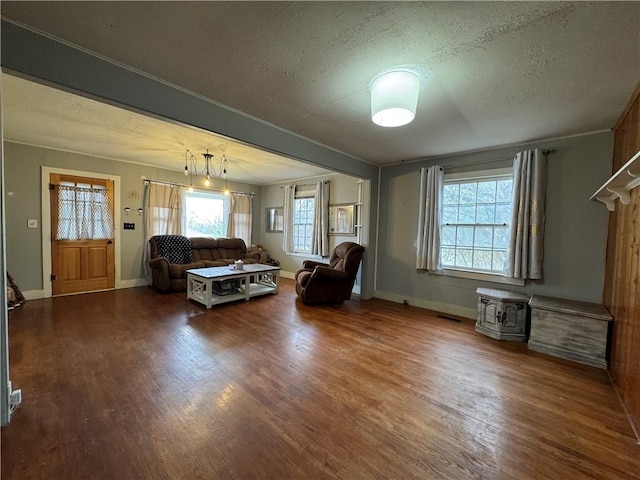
{"x":247,"y":282}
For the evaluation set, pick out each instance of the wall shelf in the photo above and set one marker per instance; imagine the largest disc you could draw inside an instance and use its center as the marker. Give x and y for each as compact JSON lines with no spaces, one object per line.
{"x":620,"y":184}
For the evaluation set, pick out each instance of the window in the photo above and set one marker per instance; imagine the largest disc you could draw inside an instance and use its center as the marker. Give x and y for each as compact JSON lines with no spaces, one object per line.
{"x":303,"y":212}
{"x":476,"y":215}
{"x":205,"y":214}
{"x":84,"y":212}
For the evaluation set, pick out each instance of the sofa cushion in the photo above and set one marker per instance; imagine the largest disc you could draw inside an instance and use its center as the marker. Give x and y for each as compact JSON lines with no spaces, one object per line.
{"x":180,"y":271}
{"x":229,"y":248}
{"x":213,"y":263}
{"x":175,"y":248}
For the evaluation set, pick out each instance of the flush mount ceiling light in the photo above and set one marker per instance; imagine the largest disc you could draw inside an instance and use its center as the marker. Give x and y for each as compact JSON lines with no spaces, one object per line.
{"x":394,"y":97}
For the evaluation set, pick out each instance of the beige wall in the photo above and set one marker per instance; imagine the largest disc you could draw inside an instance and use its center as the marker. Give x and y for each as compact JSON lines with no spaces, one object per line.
{"x":23,"y":201}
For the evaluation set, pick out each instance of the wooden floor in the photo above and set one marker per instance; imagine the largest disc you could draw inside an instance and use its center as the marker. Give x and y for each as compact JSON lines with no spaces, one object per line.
{"x":132,"y":384}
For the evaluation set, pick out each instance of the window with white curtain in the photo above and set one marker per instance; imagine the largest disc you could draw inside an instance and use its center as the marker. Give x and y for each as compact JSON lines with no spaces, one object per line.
{"x":303,"y":213}
{"x":205,"y":214}
{"x":84,"y":212}
{"x":476,"y":215}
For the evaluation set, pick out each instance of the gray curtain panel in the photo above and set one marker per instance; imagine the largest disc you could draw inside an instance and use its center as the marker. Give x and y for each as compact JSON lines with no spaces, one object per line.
{"x":526,"y":235}
{"x":320,"y":234}
{"x":429,"y":217}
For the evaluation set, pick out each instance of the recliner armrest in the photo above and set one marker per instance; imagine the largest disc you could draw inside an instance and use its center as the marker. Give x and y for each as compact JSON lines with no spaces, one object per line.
{"x":311,"y":264}
{"x":329,"y":274}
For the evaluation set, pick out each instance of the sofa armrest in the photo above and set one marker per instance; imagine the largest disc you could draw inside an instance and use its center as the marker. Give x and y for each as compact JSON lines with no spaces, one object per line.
{"x":255,"y":256}
{"x":311,"y":264}
{"x":160,"y":273}
{"x":160,"y":263}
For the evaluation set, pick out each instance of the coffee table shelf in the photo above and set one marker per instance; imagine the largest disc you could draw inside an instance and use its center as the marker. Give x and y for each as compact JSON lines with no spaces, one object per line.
{"x":255,"y":280}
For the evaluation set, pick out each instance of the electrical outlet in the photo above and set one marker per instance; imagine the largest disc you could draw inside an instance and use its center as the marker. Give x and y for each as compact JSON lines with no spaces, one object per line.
{"x":32,"y":223}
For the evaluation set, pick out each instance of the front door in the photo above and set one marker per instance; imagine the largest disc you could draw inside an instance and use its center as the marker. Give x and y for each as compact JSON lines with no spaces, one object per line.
{"x":82,"y":230}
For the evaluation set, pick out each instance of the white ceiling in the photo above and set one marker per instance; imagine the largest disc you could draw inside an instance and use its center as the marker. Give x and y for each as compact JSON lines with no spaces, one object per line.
{"x":498,"y":72}
{"x":35,"y":114}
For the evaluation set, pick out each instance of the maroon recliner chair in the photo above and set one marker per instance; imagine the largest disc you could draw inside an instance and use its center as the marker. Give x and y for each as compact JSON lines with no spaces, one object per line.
{"x":322,"y":283}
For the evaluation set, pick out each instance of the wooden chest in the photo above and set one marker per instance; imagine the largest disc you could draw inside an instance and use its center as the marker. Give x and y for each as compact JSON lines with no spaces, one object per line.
{"x":569,"y":329}
{"x":502,"y":314}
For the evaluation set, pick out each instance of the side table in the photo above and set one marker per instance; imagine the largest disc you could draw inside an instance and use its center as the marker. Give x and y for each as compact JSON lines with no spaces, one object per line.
{"x":502,"y":314}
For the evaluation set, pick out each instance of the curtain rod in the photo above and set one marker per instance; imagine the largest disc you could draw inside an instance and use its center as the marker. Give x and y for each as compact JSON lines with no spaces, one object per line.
{"x":493,"y":160}
{"x":146,"y":180}
{"x":308,"y":184}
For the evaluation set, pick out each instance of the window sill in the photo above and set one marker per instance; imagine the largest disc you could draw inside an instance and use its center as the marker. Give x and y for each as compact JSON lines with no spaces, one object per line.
{"x":305,"y":255}
{"x":485,"y":277}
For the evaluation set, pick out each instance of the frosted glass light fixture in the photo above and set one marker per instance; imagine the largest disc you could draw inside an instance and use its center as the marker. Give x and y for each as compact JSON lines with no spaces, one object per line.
{"x":394,"y":97}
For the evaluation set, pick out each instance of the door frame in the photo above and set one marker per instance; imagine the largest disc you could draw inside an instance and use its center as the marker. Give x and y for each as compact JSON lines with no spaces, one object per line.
{"x":46,"y":222}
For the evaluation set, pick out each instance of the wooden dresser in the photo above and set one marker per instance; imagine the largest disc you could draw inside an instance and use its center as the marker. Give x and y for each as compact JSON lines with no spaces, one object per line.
{"x":570,"y":329}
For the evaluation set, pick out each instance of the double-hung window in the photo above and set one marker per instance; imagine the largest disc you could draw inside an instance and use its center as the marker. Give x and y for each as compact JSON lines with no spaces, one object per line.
{"x":476,"y":215}
{"x":303,"y":213}
{"x":205,"y":214}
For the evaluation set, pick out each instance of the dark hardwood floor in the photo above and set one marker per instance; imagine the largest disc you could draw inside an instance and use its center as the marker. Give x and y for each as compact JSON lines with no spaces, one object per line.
{"x":132,"y":384}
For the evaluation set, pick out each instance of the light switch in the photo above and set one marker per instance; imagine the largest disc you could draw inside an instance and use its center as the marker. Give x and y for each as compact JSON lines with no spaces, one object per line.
{"x":32,"y":223}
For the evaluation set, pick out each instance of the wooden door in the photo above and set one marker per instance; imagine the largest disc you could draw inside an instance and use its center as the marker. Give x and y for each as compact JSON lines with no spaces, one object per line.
{"x":82,"y":230}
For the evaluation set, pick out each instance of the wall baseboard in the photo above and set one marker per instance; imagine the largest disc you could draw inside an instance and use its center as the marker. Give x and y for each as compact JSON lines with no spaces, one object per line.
{"x":291,"y":275}
{"x":135,"y":282}
{"x":630,"y":419}
{"x":428,"y":304}
{"x":33,"y":294}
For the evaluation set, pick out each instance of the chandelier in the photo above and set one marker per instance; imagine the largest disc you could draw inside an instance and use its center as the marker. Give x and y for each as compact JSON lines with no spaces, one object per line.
{"x":208,"y":169}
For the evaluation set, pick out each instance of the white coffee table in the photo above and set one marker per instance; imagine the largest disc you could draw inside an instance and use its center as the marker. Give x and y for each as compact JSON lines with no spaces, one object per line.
{"x":255,"y":279}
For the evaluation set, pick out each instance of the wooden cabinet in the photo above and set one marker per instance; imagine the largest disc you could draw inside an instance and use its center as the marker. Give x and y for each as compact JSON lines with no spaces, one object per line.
{"x":502,"y":314}
{"x":569,"y":329}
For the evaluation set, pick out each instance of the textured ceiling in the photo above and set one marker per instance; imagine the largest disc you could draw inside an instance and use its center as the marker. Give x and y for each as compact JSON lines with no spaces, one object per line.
{"x":38,"y":115}
{"x":498,"y":72}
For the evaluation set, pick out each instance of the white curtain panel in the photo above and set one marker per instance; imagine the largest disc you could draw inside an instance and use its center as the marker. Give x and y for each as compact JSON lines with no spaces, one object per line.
{"x":320,"y":233}
{"x":162,"y":216}
{"x":240,"y":217}
{"x":287,"y":230}
{"x":84,"y":213}
{"x":526,"y":235}
{"x":429,"y":215}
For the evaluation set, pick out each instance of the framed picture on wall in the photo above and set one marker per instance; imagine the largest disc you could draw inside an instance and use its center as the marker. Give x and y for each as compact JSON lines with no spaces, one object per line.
{"x":341,"y":219}
{"x":275,"y":219}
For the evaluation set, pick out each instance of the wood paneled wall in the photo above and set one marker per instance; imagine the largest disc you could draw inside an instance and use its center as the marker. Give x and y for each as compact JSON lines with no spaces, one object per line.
{"x":622,"y":293}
